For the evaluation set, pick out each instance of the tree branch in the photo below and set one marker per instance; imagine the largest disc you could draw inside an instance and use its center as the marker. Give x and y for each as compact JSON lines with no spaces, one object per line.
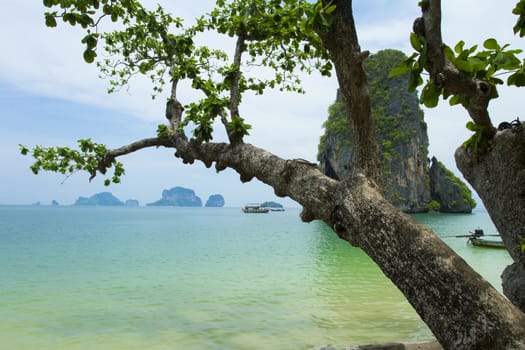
{"x":446,"y":75}
{"x":174,"y":108}
{"x":235,"y":93}
{"x":111,"y":155}
{"x":340,"y":39}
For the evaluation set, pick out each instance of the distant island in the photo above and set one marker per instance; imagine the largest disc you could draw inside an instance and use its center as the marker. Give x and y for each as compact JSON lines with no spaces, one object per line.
{"x":105,"y":199}
{"x":175,"y":197}
{"x":412,"y":181}
{"x":178,"y":197}
{"x":272,"y":205}
{"x":215,"y":201}
{"x":185,"y":197}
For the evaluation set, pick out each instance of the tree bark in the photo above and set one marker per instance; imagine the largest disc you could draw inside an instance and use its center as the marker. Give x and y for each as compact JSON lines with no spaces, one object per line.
{"x":445,"y":75}
{"x":460,"y":307}
{"x":504,"y":199}
{"x":342,"y":43}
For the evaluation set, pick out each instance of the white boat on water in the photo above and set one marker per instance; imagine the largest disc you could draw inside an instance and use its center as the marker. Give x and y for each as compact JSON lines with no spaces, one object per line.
{"x":255,"y":208}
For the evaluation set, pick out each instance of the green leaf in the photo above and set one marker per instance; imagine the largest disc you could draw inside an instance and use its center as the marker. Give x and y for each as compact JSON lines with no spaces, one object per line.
{"x":464,"y":66}
{"x":455,"y":100}
{"x":491,"y":44}
{"x":449,"y":53}
{"x":399,"y":70}
{"x":472,"y":126}
{"x":517,"y":79}
{"x":415,"y":41}
{"x":414,"y":79}
{"x":51,"y":20}
{"x":23,"y":150}
{"x":459,"y":47}
{"x":89,"y":55}
{"x":430,"y":95}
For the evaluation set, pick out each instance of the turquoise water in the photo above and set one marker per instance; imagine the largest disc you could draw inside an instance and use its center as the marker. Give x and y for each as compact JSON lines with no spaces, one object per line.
{"x":200,"y":278}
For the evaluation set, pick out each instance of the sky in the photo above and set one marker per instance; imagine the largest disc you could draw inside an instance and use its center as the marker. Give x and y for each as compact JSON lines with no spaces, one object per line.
{"x":50,"y":97}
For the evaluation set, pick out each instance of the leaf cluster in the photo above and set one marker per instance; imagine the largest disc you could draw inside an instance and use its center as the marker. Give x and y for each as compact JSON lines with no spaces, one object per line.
{"x":478,"y":143}
{"x":276,"y":44}
{"x":278,"y":36}
{"x":276,"y":41}
{"x":91,"y":157}
{"x":88,"y":14}
{"x":485,"y":65}
{"x":519,"y":10}
{"x":414,"y":64}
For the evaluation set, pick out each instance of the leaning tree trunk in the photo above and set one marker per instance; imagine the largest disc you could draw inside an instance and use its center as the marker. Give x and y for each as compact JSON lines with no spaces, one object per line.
{"x":498,"y":176}
{"x":459,"y":306}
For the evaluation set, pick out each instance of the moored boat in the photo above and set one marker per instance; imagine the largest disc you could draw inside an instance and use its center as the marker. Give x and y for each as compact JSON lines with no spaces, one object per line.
{"x":255,"y":208}
{"x":483,"y":242}
{"x":477,"y":238}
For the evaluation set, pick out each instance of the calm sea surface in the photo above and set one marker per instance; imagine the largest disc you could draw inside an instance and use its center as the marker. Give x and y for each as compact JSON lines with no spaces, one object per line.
{"x":201,"y":278}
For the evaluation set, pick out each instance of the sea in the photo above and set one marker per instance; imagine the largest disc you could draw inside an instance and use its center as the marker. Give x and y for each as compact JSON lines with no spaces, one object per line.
{"x":154,"y":278}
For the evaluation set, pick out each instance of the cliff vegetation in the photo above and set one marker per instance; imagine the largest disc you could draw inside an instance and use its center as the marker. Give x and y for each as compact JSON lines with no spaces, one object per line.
{"x":403,"y":142}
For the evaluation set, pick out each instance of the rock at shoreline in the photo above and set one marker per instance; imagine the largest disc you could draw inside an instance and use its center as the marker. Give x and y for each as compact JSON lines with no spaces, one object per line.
{"x":178,"y":197}
{"x":449,"y":191}
{"x":215,"y":201}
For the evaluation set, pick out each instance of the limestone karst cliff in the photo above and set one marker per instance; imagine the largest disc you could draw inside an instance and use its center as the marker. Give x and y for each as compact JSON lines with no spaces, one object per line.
{"x":100,"y":199}
{"x":403,"y":142}
{"x":215,"y":201}
{"x":178,"y":197}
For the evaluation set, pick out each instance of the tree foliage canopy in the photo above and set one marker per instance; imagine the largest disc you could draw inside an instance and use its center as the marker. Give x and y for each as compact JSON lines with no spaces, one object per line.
{"x":275,"y":42}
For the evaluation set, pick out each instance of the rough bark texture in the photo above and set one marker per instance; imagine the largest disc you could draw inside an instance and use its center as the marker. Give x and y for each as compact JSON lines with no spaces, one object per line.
{"x":341,"y":41}
{"x":504,"y":198}
{"x":462,"y":309}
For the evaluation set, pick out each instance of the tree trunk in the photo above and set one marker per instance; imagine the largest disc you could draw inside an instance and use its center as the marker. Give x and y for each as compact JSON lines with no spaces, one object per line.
{"x":342,"y":43}
{"x":504,"y":198}
{"x":462,"y":309}
{"x":459,"y":306}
